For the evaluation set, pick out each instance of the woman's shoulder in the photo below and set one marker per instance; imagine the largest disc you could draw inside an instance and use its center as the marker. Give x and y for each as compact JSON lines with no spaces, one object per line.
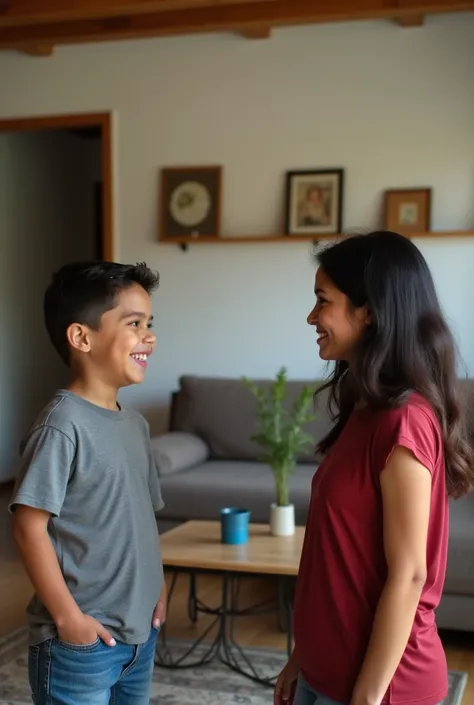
{"x":413,"y":418}
{"x":414,"y":409}
{"x":412,"y":423}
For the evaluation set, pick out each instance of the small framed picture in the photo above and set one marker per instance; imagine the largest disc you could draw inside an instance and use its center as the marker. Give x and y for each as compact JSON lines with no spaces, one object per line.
{"x":190,"y":202}
{"x":408,"y":211}
{"x":314,"y":202}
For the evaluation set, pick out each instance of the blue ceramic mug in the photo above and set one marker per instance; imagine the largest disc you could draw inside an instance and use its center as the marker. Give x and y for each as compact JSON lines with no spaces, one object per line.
{"x":234,"y":525}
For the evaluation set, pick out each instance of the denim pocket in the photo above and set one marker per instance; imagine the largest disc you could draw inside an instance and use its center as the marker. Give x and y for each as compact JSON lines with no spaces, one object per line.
{"x":78,"y":647}
{"x":33,"y":670}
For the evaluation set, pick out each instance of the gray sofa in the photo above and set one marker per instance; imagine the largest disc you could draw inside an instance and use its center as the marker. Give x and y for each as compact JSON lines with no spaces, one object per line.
{"x":206,"y":461}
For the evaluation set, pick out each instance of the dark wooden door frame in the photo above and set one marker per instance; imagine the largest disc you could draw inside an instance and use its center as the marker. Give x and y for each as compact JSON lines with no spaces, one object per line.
{"x":59,"y":122}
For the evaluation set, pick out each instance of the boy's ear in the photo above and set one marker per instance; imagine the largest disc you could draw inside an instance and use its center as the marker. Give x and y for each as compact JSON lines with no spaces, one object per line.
{"x":78,"y":337}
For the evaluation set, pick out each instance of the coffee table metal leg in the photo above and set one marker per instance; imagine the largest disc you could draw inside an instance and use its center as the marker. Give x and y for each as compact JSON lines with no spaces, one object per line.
{"x":231,"y":653}
{"x":224,"y":644}
{"x":192,"y":600}
{"x":163,"y":654}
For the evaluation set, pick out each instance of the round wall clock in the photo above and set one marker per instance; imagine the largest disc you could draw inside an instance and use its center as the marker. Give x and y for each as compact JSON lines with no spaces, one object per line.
{"x":190,"y":203}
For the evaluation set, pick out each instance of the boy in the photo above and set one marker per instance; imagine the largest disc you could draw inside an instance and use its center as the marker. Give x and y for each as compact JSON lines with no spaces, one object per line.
{"x":86,"y":498}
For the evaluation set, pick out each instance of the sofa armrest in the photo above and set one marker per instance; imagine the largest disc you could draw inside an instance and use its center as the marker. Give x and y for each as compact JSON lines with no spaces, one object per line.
{"x":176,"y":451}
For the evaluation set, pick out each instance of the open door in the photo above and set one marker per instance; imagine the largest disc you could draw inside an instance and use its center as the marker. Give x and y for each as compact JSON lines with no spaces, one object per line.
{"x":103,"y":189}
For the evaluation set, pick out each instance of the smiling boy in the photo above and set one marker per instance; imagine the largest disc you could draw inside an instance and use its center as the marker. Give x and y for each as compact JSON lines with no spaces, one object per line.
{"x":86,"y":498}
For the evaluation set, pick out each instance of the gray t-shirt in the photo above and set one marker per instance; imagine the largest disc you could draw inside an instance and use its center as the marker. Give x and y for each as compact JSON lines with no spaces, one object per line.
{"x":93,"y":470}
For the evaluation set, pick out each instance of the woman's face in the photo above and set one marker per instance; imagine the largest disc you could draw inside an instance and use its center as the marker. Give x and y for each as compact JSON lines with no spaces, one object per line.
{"x":339,"y":326}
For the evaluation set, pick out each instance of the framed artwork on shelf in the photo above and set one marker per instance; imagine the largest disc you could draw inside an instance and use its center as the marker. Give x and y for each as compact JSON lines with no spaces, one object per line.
{"x":190,"y":204}
{"x":408,"y":211}
{"x":314,"y":202}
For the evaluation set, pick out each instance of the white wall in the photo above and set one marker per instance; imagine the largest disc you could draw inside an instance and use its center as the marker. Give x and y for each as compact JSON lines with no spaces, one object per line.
{"x":46,"y":220}
{"x":394,"y":107}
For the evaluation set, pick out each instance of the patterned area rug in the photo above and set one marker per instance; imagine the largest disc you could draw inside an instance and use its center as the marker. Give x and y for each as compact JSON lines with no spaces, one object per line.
{"x":214,"y":684}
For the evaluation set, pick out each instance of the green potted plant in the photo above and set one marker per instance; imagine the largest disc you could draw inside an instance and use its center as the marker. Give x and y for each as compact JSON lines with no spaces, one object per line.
{"x":281,"y":435}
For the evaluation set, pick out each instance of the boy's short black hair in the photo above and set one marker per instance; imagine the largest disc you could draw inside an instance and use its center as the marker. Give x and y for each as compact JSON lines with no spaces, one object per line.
{"x":82,"y":292}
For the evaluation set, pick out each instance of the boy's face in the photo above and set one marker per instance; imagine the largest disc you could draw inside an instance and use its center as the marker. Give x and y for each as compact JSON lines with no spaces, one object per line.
{"x":119,"y":350}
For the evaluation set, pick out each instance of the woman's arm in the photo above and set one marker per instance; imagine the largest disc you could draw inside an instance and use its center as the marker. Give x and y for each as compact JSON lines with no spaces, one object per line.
{"x":406,"y":497}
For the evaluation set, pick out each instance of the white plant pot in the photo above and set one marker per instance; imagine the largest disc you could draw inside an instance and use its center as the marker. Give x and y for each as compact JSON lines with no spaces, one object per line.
{"x":282,"y":520}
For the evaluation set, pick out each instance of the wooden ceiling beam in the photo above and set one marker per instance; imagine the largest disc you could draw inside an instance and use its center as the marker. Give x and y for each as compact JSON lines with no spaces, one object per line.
{"x":257,"y":33}
{"x":26,"y":12}
{"x":410,"y":21}
{"x":238,"y":17}
{"x":43,"y":50}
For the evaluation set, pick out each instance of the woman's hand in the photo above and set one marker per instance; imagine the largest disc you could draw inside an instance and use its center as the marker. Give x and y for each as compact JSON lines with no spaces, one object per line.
{"x":359,"y":698}
{"x":286,"y":682}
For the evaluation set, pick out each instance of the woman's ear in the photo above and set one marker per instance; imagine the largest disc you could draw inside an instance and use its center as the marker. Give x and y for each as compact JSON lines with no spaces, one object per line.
{"x":368,"y":316}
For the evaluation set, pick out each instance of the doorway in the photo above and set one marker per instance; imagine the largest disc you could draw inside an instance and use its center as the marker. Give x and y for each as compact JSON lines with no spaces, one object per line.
{"x":55,"y":208}
{"x":94,"y":125}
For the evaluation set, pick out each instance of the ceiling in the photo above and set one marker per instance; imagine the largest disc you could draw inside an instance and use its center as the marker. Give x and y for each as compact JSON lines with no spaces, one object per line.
{"x":37,"y":26}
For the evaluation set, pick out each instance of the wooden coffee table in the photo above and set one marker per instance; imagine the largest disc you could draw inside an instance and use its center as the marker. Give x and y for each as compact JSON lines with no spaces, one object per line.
{"x":195,"y":548}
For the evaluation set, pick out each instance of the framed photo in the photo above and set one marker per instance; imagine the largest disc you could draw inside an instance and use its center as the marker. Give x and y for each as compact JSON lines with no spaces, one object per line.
{"x":408,"y":211}
{"x":190,"y":202}
{"x":314,"y":202}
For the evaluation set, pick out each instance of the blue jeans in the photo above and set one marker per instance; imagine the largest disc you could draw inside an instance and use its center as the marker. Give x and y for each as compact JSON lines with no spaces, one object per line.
{"x":304,"y":695}
{"x":96,"y":674}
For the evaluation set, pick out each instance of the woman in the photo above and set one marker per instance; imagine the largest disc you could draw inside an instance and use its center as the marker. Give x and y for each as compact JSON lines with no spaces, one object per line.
{"x":374,"y":555}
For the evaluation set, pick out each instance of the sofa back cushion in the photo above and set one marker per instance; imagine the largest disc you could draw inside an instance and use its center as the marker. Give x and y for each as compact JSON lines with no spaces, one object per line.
{"x":223,"y":412}
{"x":467,"y":396}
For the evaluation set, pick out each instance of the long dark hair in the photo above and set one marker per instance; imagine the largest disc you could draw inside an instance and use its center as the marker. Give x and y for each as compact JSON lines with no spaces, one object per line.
{"x":407,"y":347}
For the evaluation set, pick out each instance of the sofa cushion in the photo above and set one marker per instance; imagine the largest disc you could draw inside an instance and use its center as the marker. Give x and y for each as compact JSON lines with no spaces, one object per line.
{"x":201,"y":492}
{"x":466,"y":387}
{"x":223,"y":412}
{"x":177,"y":451}
{"x":460,"y":570}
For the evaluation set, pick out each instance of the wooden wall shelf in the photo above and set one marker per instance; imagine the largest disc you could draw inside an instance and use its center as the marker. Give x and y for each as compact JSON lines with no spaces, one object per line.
{"x":37,"y":26}
{"x":184,"y":242}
